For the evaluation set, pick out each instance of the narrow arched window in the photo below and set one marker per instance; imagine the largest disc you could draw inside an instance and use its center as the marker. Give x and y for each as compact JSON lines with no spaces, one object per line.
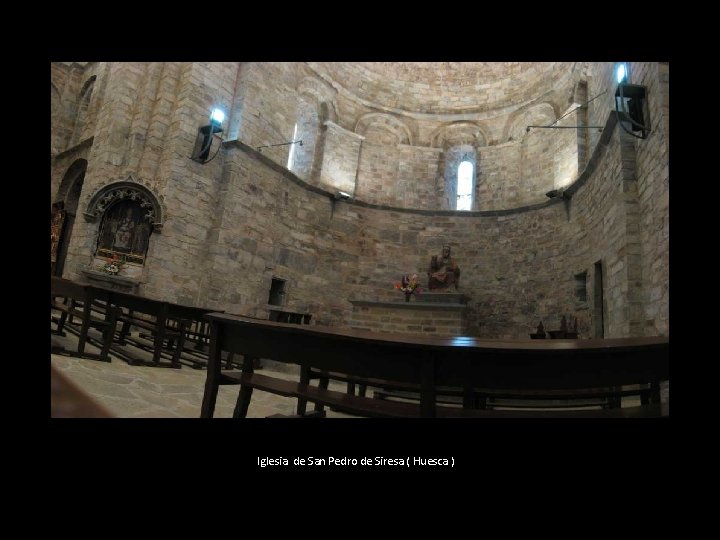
{"x":464,"y":185}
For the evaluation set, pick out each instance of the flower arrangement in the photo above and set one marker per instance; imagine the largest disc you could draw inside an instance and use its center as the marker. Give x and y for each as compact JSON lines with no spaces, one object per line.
{"x":409,"y":285}
{"x":112,"y":265}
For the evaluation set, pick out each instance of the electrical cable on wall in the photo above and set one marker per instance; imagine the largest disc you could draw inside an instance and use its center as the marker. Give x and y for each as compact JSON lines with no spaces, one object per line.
{"x":553,"y":126}
{"x":259,"y":148}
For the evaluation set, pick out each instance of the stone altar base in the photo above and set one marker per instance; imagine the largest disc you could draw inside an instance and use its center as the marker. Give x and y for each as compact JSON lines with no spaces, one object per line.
{"x":442,"y":298}
{"x":437,"y":314}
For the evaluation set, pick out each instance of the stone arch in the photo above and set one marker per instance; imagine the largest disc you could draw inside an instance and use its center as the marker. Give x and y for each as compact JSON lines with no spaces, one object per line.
{"x":55,"y":116}
{"x":539,"y":114}
{"x":321,"y":94}
{"x":75,"y":172}
{"x":387,"y":122}
{"x":83,"y":105}
{"x":317,"y":89}
{"x":327,"y":112}
{"x":66,"y":202}
{"x":110,"y":194}
{"x":462,"y":132}
{"x":86,"y":91}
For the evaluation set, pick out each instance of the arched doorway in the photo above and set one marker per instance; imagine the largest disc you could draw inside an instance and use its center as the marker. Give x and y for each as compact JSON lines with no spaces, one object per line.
{"x":62,"y":215}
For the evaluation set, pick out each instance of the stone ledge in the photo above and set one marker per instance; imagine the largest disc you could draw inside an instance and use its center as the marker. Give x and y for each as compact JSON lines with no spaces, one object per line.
{"x":114,"y":282}
{"x":442,"y":298}
{"x":429,"y":306}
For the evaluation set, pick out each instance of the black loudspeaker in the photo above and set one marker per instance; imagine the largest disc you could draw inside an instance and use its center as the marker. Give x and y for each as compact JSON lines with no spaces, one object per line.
{"x":204,"y":141}
{"x":630,"y":104}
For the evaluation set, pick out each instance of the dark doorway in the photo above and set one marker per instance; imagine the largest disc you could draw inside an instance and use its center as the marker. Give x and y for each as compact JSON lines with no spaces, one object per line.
{"x":598,"y":318}
{"x":70,"y":189}
{"x":57,"y":227}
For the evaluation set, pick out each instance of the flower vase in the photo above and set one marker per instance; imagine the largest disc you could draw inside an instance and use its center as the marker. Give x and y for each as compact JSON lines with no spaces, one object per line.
{"x":407,"y":296}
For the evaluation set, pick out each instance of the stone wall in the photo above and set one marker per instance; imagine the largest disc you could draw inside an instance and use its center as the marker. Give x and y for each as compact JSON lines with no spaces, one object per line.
{"x":75,"y":95}
{"x":378,"y":166}
{"x":340,"y":159}
{"x":517,"y":267}
{"x":330,"y":253}
{"x":653,"y":184}
{"x":145,"y":133}
{"x":409,"y":318}
{"x":416,"y":185}
{"x":234,"y":223}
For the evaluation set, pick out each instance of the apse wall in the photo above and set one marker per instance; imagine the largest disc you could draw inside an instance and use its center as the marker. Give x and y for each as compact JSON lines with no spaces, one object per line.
{"x":331,"y":252}
{"x":234,"y":223}
{"x":398,"y":158}
{"x":518,"y":267}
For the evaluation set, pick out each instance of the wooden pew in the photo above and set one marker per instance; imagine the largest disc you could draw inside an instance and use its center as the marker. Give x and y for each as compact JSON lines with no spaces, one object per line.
{"x":431,"y":363}
{"x":196,"y":331}
{"x":78,"y":300}
{"x":146,"y":314}
{"x":484,"y":398}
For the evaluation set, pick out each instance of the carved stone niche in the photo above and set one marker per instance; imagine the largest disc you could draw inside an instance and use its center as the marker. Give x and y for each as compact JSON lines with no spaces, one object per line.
{"x":118,"y":191}
{"x":129,"y":214}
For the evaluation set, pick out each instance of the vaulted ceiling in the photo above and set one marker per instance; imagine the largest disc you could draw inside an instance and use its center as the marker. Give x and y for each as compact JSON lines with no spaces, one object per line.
{"x":448,"y":87}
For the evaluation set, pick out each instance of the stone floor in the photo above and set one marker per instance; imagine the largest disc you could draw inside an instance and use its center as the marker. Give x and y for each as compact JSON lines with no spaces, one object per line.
{"x":154,"y":392}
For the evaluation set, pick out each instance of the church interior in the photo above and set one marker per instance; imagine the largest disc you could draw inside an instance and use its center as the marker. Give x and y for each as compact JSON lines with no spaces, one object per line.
{"x":285,"y":239}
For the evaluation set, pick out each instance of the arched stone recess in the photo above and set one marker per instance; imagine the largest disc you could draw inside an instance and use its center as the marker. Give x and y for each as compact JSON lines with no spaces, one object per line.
{"x":459,"y":142}
{"x":125,"y":214}
{"x":454,"y":156}
{"x":110,"y":194}
{"x":318,"y":91}
{"x":82,"y":117}
{"x":380,"y":177}
{"x":321,"y":95}
{"x":543,"y":154}
{"x":458,"y":133}
{"x":315,"y":107}
{"x":63,"y":212}
{"x":55,"y":118}
{"x":74,"y":172}
{"x":385,"y":122}
{"x":542,"y":114}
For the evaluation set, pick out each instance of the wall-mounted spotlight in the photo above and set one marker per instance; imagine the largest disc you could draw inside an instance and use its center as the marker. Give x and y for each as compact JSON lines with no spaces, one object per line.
{"x":204,"y":139}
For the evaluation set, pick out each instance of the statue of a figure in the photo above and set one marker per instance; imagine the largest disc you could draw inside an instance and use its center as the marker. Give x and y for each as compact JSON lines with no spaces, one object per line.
{"x":443,"y":271}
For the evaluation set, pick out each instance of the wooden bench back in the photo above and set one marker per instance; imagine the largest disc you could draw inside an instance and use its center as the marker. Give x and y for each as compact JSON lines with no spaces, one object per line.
{"x":556,"y":364}
{"x":321,"y":349}
{"x":68,"y":289}
{"x":433,"y":362}
{"x":139,"y":304}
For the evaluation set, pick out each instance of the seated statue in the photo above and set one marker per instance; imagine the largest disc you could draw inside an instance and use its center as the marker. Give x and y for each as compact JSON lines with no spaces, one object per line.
{"x":443,"y":271}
